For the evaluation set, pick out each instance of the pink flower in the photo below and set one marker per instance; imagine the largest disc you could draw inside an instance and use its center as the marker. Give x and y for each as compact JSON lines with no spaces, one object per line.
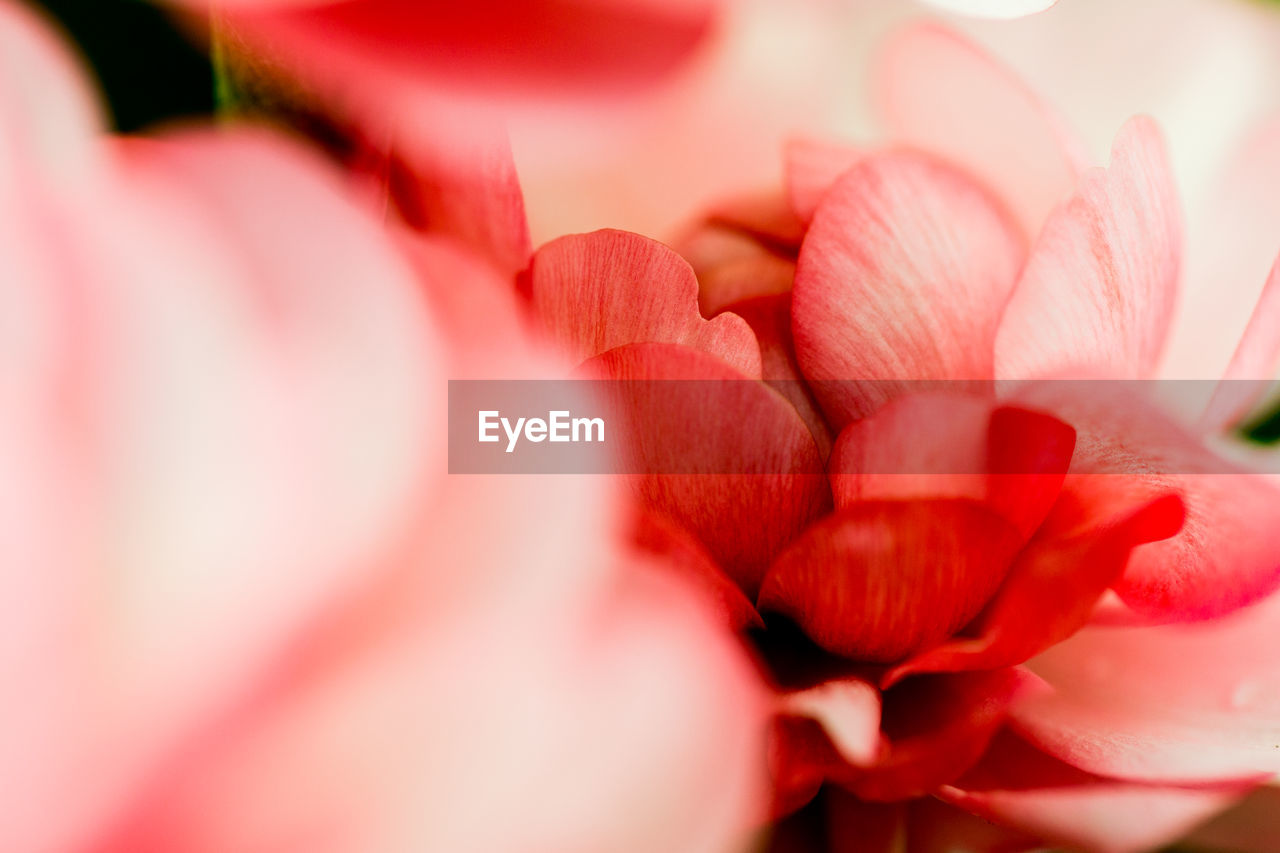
{"x":980,"y":609}
{"x":245,"y":607}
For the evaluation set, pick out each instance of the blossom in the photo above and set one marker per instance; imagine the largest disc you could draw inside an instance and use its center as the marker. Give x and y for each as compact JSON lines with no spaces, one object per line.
{"x":245,"y":606}
{"x":980,"y":606}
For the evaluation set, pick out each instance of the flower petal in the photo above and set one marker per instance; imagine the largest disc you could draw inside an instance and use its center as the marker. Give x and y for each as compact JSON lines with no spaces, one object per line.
{"x":935,"y":444}
{"x":1179,"y":703}
{"x":902,"y":276}
{"x":724,"y":456}
{"x":490,"y":48}
{"x":595,"y":292}
{"x":1019,"y":786}
{"x":1100,"y":285}
{"x":676,"y":549}
{"x":1128,"y":449}
{"x":770,"y":318}
{"x":880,"y":580}
{"x":1050,"y":592}
{"x":936,"y":728}
{"x":940,"y":93}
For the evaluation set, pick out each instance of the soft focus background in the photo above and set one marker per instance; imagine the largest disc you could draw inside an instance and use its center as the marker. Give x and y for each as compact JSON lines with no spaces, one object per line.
{"x":1207,"y":69}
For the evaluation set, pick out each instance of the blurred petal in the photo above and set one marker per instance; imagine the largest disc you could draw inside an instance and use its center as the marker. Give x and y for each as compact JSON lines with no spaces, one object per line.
{"x":940,"y":93}
{"x":595,"y":292}
{"x":903,"y":276}
{"x":1099,"y":288}
{"x":812,"y":168}
{"x":494,"y":49}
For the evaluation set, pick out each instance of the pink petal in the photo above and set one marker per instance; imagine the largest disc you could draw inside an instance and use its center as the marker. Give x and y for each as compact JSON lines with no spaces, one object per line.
{"x":1179,"y":703}
{"x":903,"y":276}
{"x":1100,"y":285}
{"x":1018,"y":786}
{"x":1228,"y":552}
{"x":595,"y":292}
{"x":812,"y":168}
{"x":934,"y":444}
{"x":1050,"y":592}
{"x":726,"y":457}
{"x":940,"y":93}
{"x":880,"y":580}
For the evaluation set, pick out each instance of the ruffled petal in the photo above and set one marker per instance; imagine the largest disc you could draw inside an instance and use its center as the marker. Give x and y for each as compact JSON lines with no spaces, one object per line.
{"x":595,"y":292}
{"x":1100,"y":286}
{"x":903,"y":276}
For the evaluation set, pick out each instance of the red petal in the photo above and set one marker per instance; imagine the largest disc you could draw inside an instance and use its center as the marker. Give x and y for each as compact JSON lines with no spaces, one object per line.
{"x":1099,"y":288}
{"x":491,"y":48}
{"x":937,"y":728}
{"x":934,"y":444}
{"x":903,"y":276}
{"x":1020,"y":786}
{"x":1050,"y":592}
{"x":941,"y":94}
{"x":727,"y":458}
{"x":880,"y":580}
{"x":598,"y":291}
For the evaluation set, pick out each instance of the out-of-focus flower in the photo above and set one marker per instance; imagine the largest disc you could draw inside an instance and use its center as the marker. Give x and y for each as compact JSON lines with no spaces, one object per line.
{"x":244,"y":607}
{"x":945,"y":559}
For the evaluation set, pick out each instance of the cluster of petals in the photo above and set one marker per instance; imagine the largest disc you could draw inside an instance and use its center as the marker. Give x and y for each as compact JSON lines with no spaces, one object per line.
{"x":980,"y":560}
